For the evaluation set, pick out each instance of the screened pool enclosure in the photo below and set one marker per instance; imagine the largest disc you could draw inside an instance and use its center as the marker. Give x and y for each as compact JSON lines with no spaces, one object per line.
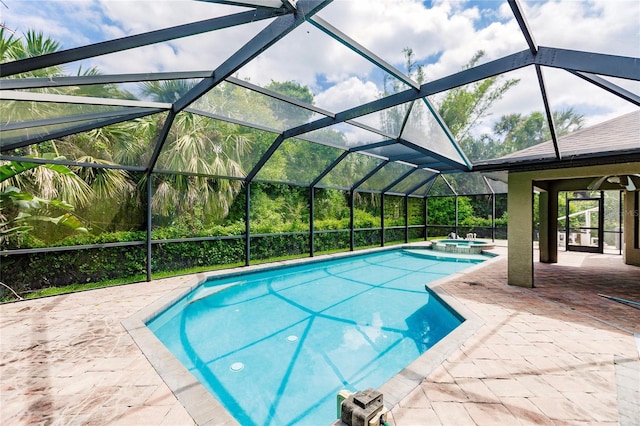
{"x":179,"y":136}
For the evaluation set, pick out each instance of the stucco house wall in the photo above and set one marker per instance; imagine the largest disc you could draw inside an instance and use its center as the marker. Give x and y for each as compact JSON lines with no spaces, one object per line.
{"x":520,"y":208}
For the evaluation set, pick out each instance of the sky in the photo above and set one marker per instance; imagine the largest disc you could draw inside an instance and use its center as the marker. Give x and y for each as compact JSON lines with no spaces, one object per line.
{"x":443,"y":35}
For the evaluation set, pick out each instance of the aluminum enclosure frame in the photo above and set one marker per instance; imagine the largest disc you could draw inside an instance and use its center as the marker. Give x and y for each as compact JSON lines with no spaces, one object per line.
{"x":286,"y":16}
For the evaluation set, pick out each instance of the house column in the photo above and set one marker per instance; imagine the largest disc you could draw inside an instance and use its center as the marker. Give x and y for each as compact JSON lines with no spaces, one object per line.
{"x":631,"y":226}
{"x":548,"y":226}
{"x":520,"y":232}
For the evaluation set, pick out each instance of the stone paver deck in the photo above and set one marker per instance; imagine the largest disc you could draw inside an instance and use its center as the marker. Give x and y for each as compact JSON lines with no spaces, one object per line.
{"x":547,"y":355}
{"x":556,"y":354}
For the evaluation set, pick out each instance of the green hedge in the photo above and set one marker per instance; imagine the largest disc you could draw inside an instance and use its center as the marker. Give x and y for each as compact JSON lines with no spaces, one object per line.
{"x":177,"y":256}
{"x":416,"y":233}
{"x":27,"y":272}
{"x":331,"y":241}
{"x":266,"y":247}
{"x":367,"y":238}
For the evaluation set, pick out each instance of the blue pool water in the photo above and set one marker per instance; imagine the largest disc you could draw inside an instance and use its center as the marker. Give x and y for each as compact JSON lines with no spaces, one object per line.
{"x":276,"y":346}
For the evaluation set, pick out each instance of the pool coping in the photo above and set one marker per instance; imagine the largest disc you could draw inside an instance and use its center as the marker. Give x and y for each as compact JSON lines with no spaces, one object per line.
{"x":205,"y":409}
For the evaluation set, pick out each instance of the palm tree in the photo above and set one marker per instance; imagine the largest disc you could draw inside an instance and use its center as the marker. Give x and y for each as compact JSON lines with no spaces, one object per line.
{"x":8,"y":45}
{"x":203,"y":149}
{"x":31,"y":44}
{"x":19,"y":208}
{"x":566,"y":121}
{"x":14,"y":48}
{"x":166,"y":91}
{"x":86,"y":185}
{"x":520,"y":132}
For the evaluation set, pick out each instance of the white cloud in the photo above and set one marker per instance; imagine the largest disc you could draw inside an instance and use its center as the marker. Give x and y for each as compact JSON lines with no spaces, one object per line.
{"x":307,"y":55}
{"x":347,"y":94}
{"x":140,"y":16}
{"x":443,"y":37}
{"x":48,"y":17}
{"x":149,"y":58}
{"x":387,"y":27}
{"x":199,"y":52}
{"x":601,"y":26}
{"x":566,"y":90}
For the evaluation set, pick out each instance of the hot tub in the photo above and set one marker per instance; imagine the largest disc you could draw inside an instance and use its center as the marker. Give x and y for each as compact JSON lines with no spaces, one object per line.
{"x":461,"y":246}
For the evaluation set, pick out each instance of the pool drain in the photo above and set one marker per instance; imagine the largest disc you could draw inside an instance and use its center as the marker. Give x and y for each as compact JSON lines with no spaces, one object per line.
{"x":237,"y":366}
{"x":292,"y":338}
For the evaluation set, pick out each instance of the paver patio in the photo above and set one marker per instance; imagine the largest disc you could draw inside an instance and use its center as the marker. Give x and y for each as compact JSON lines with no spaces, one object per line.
{"x":556,"y":354}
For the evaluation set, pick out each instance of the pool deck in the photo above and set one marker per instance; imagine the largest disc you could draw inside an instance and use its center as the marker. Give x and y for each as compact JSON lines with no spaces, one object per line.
{"x":556,"y":354}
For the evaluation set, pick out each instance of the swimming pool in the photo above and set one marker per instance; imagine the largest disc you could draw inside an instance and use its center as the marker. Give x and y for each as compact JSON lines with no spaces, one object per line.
{"x":276,"y":346}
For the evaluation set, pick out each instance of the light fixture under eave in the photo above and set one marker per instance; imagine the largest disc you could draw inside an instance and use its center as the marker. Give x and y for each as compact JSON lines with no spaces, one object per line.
{"x":627,"y":182}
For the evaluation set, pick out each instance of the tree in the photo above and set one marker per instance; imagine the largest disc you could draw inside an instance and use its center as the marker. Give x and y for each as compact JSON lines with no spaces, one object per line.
{"x":97,"y":90}
{"x":516,"y":132}
{"x":206,"y":150}
{"x":393,"y":118}
{"x":464,"y":107}
{"x":461,"y":108}
{"x":86,"y":186}
{"x":520,"y":132}
{"x":202,"y":151}
{"x":566,"y":121}
{"x":290,"y":115}
{"x":19,"y":208}
{"x":442,"y":210}
{"x":167,"y":91}
{"x":32,"y":43}
{"x":8,"y":45}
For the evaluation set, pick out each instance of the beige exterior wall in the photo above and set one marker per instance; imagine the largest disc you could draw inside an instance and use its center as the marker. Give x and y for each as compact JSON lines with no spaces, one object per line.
{"x":520,"y":206}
